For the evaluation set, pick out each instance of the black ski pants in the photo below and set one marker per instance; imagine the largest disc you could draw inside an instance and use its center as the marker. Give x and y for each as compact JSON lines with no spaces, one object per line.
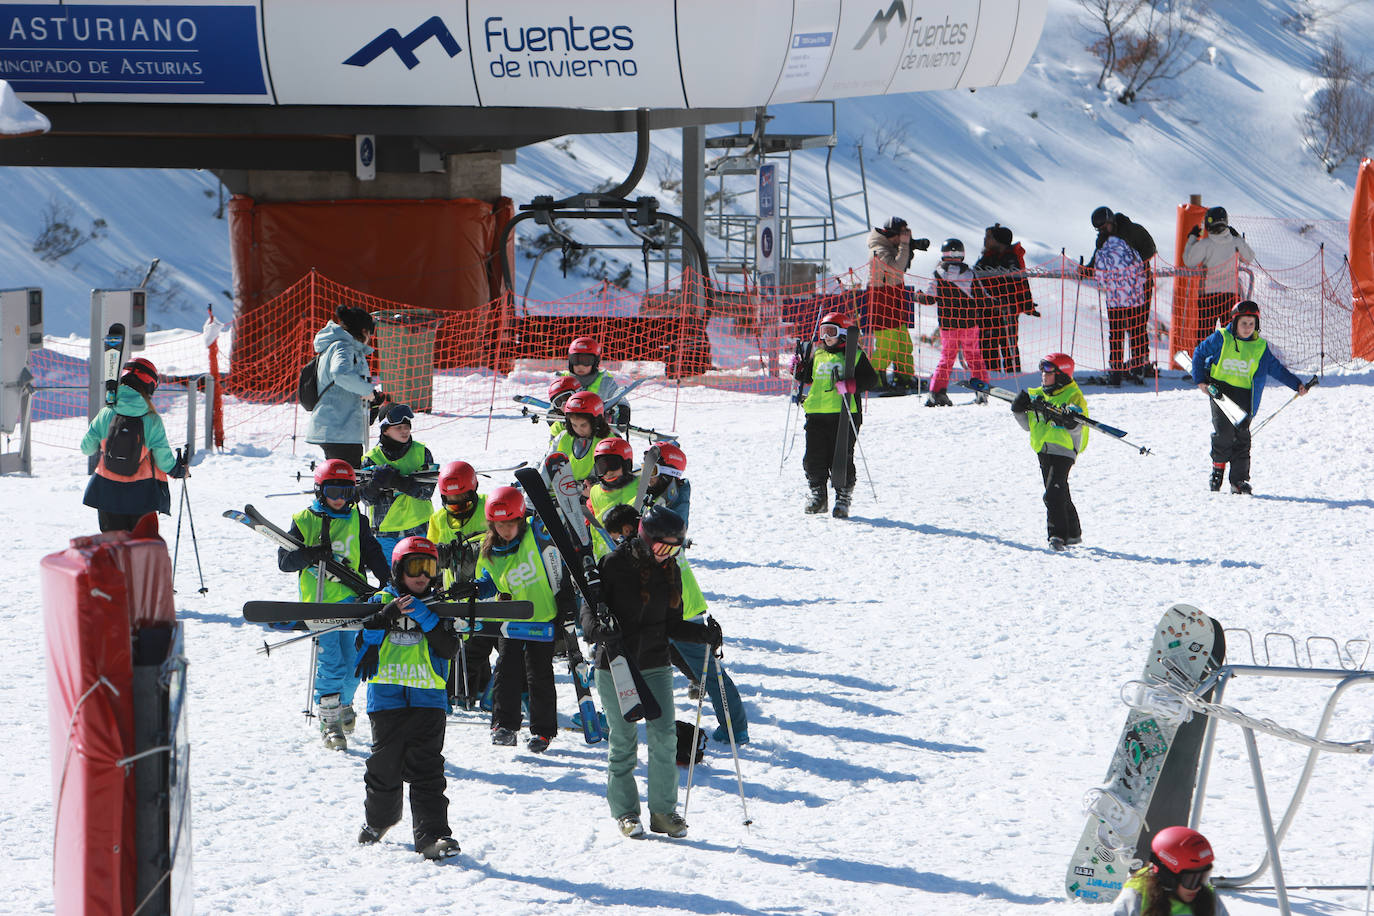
{"x":1231,"y":443}
{"x":408,"y":747}
{"x":525,"y":666}
{"x":1123,"y":324}
{"x":821,"y":431}
{"x":1061,"y":516}
{"x":1213,"y":308}
{"x":475,"y":657}
{"x":117,"y":521}
{"x":353,"y":454}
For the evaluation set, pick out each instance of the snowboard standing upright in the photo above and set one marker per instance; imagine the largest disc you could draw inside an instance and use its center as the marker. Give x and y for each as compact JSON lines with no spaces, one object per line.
{"x":839,"y":465}
{"x":1151,"y":777}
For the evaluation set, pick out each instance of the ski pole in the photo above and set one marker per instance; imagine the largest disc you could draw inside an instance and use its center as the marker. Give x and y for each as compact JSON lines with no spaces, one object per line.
{"x":195,"y":544}
{"x":855,"y":432}
{"x":1309,"y":384}
{"x":696,"y":732}
{"x":730,"y":729}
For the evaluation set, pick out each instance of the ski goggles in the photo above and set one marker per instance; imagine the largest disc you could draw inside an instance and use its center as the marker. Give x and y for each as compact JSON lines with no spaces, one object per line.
{"x":667,"y":470}
{"x":607,"y":463}
{"x":832,"y":330}
{"x":1193,"y":878}
{"x":665,"y":549}
{"x":398,"y":415}
{"x":419,"y":565}
{"x":582,"y":359}
{"x":460,"y":503}
{"x":1047,"y":366}
{"x":338,"y":490}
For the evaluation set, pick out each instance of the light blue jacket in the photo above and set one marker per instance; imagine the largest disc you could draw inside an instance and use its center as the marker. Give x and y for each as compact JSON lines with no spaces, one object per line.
{"x":344,"y":383}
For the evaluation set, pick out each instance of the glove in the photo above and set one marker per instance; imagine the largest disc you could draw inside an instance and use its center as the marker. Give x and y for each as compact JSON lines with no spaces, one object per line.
{"x":844,"y":385}
{"x":921,"y":244}
{"x":384,"y":478}
{"x":792,"y":366}
{"x":1213,"y":391}
{"x":424,"y":618}
{"x":1022,"y":402}
{"x":404,"y":483}
{"x":313,"y":556}
{"x":365,"y":663}
{"x":179,"y":470}
{"x":1234,"y":233}
{"x":446,"y":554}
{"x":1195,"y":232}
{"x":1067,"y":421}
{"x":714,"y":637}
{"x":379,"y":398}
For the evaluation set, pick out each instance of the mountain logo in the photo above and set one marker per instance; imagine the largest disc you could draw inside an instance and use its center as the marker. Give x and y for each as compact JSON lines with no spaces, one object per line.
{"x":405,"y":45}
{"x":880,"y":23}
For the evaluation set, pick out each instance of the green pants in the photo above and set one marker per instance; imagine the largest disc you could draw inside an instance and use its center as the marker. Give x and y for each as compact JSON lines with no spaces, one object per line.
{"x":622,"y":792}
{"x":892,"y":345}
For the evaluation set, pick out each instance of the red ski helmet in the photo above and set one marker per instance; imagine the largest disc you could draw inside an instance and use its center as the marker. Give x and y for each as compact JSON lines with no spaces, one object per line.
{"x":414,"y":547}
{"x":1180,"y":849}
{"x":336,"y":473}
{"x":1241,"y":310}
{"x":457,"y":478}
{"x":141,"y":375}
{"x":584,"y":402}
{"x":615,"y":446}
{"x":561,"y":387}
{"x":505,"y":504}
{"x":1060,"y":363}
{"x":672,"y":462}
{"x":584,"y":346}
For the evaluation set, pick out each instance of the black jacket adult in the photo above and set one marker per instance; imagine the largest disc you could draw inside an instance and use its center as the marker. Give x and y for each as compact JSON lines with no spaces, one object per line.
{"x":1133,"y":234}
{"x":645,"y":599}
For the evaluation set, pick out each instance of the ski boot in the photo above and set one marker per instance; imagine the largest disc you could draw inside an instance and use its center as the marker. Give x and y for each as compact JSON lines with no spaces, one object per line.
{"x":630,"y":826}
{"x":1218,"y":473}
{"x":939,"y":399}
{"x":1242,"y":487}
{"x":842,"y":500}
{"x":503,"y":737}
{"x":331,"y":728}
{"x":820,"y":498}
{"x":980,"y":397}
{"x":446,"y":847}
{"x":348,"y":718}
{"x":370,"y":836}
{"x":671,"y":823}
{"x":1058,"y":544}
{"x":538,"y":744}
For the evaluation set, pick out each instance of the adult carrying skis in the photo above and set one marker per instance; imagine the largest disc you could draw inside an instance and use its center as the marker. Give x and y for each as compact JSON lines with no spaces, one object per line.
{"x":1057,"y":440}
{"x":1236,"y":361}
{"x":833,"y":400}
{"x":642,"y":590}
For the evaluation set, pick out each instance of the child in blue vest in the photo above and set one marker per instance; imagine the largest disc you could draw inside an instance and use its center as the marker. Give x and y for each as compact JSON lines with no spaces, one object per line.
{"x":404,"y":654}
{"x":399,"y":498}
{"x":332,"y":528}
{"x":1236,"y":361}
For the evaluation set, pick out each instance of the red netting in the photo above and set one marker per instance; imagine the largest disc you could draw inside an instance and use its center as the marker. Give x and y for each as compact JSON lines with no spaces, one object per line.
{"x":689,"y":333}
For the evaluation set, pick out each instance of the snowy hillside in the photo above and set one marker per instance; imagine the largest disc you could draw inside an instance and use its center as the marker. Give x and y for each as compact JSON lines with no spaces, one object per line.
{"x":1037,"y":156}
{"x":929,"y":691}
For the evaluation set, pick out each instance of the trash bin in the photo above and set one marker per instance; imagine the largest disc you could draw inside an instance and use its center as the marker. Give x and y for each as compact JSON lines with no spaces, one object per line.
{"x":405,"y":355}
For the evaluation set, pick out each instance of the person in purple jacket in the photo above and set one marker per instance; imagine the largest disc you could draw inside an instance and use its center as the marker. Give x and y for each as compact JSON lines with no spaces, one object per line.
{"x":1234,"y":361}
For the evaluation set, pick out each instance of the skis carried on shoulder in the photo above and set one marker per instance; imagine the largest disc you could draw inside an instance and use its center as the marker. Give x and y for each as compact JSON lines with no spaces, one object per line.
{"x":344,"y":575}
{"x":1051,"y":413}
{"x":839,"y":464}
{"x":1233,"y":411}
{"x":647,"y":470}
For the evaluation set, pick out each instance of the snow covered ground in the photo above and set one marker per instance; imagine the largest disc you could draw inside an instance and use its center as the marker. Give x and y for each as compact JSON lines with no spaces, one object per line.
{"x":930,"y":691}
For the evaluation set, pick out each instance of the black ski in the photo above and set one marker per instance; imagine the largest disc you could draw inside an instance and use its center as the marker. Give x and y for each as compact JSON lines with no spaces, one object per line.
{"x":1052,"y":413}
{"x":349,"y":578}
{"x":498,"y":618}
{"x":551,"y":416}
{"x":586,"y":577}
{"x":839,"y":466}
{"x":111,"y":359}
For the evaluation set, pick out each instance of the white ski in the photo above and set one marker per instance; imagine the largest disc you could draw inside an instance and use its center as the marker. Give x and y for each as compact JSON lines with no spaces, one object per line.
{"x":1234,"y":412}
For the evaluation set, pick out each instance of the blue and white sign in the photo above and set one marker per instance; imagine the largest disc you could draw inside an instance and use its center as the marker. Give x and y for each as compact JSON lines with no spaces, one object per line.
{"x":766,"y":237}
{"x":133,"y":49}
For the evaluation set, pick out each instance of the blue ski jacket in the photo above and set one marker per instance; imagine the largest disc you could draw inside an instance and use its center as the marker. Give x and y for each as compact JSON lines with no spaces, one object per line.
{"x":443,"y":646}
{"x":1209,"y":351}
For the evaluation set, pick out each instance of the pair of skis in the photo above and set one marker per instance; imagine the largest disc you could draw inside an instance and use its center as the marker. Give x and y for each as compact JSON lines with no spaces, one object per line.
{"x":839,"y":464}
{"x":557,"y":503}
{"x":1053,"y":414}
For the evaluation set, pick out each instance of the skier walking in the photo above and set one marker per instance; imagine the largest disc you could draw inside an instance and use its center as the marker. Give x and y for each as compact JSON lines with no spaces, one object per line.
{"x":830,"y":402}
{"x":513,"y":563}
{"x":455,"y":528}
{"x":130,"y":479}
{"x":1057,"y":442}
{"x":332,"y":527}
{"x":642,"y":588}
{"x":404,"y":655}
{"x":1219,"y":254}
{"x":960,"y":309}
{"x":400,"y":500}
{"x":338,"y":424}
{"x":584,"y":365}
{"x":1175,"y":881}
{"x":1236,"y":361}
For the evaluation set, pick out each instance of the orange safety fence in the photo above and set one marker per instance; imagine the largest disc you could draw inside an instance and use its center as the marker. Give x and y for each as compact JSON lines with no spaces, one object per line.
{"x":691,"y":334}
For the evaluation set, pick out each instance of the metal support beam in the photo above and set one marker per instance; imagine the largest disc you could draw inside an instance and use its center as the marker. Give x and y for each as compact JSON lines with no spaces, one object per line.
{"x":694,"y":178}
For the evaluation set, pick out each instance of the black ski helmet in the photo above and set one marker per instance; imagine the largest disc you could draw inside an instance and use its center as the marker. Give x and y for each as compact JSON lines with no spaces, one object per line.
{"x":952,"y":250}
{"x":1243,"y":308}
{"x":659,"y":523}
{"x":1102,"y":215}
{"x":1215,"y":220}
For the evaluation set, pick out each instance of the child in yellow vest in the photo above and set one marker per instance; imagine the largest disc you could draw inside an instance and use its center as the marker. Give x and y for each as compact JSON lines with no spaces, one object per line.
{"x":1056,"y":441}
{"x":399,"y":498}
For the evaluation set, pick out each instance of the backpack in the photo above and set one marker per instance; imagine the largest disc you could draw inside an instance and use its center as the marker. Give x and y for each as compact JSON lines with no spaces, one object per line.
{"x":308,"y":385}
{"x":124,"y":445}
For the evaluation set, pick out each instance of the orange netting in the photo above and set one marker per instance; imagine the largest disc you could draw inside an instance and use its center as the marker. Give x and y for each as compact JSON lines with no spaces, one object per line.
{"x":730,"y":338}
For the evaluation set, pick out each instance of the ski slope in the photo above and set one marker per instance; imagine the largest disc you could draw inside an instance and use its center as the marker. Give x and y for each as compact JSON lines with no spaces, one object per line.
{"x":930,"y":691}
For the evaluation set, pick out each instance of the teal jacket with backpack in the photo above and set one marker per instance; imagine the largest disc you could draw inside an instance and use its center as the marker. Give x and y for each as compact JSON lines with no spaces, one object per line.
{"x":345,"y":389}
{"x":141,"y":487}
